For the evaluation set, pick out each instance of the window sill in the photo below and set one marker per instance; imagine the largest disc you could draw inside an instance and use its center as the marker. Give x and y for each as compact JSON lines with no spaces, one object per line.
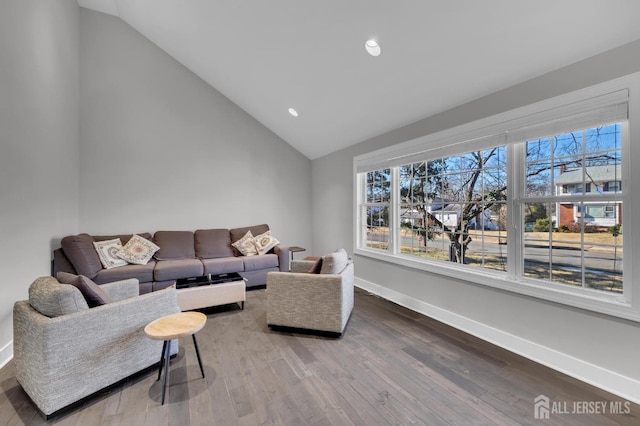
{"x":592,"y":300}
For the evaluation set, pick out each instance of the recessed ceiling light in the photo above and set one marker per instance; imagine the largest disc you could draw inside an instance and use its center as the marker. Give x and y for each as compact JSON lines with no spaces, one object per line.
{"x":373,"y":47}
{"x":293,"y":112}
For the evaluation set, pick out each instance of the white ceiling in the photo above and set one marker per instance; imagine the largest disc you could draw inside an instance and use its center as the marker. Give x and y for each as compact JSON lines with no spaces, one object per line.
{"x":267,"y":56}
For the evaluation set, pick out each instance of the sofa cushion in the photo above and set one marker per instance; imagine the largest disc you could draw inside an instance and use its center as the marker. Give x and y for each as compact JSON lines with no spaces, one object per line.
{"x":143,"y":273}
{"x":237,"y":233}
{"x":107,"y":253}
{"x":138,"y":250}
{"x":223,"y":265}
{"x":52,"y":299}
{"x":265,"y":242}
{"x":177,"y":268}
{"x":92,"y":293}
{"x":174,"y":245}
{"x":253,"y":263}
{"x":245,"y":245}
{"x":334,"y":263}
{"x":82,"y":254}
{"x":212,"y":243}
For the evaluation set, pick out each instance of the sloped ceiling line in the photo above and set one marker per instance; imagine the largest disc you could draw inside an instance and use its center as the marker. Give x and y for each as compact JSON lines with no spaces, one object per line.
{"x":270,"y":56}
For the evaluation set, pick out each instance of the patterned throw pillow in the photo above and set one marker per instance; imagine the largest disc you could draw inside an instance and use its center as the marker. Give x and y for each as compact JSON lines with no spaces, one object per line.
{"x":107,"y":252}
{"x":265,"y":242}
{"x":138,"y":250}
{"x":245,"y":245}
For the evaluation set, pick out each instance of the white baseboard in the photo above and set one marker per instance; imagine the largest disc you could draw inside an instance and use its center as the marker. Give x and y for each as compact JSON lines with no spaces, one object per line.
{"x":6,"y":354}
{"x":607,"y":380}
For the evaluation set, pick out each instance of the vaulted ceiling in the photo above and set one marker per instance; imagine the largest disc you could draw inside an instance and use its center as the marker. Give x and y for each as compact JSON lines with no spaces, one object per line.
{"x":271,"y":55}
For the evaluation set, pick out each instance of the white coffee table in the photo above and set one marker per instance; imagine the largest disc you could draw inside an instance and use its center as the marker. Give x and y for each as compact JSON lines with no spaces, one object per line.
{"x":204,"y":296}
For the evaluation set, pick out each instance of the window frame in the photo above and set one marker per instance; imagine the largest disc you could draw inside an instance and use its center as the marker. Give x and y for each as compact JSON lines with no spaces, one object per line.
{"x":494,"y":131}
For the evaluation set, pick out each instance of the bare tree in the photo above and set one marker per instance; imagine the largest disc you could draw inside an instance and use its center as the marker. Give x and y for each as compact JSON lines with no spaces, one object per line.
{"x":476,"y":183}
{"x":425,"y":183}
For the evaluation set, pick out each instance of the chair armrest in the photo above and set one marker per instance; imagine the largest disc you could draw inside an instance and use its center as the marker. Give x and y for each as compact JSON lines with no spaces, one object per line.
{"x":284,"y":282}
{"x":120,"y":290}
{"x":302,"y":265}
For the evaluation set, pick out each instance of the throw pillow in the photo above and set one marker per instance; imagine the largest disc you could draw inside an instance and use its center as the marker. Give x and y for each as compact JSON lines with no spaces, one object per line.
{"x":317,"y":266}
{"x":245,"y":245}
{"x":93,"y":294}
{"x":107,"y":252}
{"x":138,"y":250}
{"x":265,"y":242}
{"x":335,"y":263}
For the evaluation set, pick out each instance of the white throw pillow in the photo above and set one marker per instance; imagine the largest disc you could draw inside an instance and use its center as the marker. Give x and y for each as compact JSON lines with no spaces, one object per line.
{"x":138,"y":250}
{"x":265,"y":242}
{"x":245,"y":245}
{"x":107,"y":252}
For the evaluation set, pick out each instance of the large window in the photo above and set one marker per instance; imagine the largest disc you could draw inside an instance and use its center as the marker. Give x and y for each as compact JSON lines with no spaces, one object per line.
{"x":378,"y":196}
{"x":454,"y":208}
{"x":530,"y":201}
{"x":576,"y":237}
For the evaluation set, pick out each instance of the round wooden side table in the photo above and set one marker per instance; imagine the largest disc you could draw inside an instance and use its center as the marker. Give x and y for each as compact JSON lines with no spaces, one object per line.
{"x":171,"y":327}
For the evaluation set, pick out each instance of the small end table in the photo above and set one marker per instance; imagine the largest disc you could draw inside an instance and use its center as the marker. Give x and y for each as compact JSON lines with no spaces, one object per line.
{"x":171,"y":327}
{"x":295,"y":249}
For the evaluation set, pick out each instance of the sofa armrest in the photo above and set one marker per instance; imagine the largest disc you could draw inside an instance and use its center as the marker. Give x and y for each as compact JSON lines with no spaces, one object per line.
{"x":284,"y":257}
{"x":120,"y":290}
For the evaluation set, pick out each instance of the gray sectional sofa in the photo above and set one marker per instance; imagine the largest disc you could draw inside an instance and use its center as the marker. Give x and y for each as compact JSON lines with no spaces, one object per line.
{"x":182,"y":254}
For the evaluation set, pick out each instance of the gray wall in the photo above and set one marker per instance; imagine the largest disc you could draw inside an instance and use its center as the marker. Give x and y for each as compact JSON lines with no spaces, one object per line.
{"x":161,"y":149}
{"x":39,"y":142}
{"x":607,"y":342}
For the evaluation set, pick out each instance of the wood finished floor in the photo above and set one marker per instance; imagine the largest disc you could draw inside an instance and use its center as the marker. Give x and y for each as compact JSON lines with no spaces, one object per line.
{"x":392,"y":367}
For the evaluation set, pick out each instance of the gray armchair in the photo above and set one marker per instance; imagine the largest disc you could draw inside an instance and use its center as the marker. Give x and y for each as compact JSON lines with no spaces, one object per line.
{"x":65,"y":351}
{"x":312,"y":302}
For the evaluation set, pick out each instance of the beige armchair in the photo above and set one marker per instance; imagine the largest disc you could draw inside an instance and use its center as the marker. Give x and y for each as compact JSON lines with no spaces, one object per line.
{"x":312,"y":302}
{"x":65,"y":351}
